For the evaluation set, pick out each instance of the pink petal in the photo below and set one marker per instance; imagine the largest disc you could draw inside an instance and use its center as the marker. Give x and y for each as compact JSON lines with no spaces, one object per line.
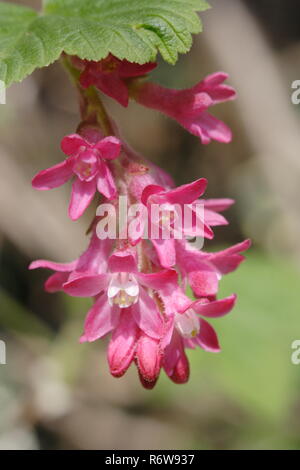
{"x":149,"y":191}
{"x":112,"y":85}
{"x":207,"y":338}
{"x":122,"y":345}
{"x":147,"y":316}
{"x":82,"y":195}
{"x":214,"y":79}
{"x":215,"y":309}
{"x":109,"y":147}
{"x":189,"y":106}
{"x":71,"y":144}
{"x":86,"y":285}
{"x":208,"y":128}
{"x":172,"y":353}
{"x":167,"y":331}
{"x":175,"y":361}
{"x":136,"y":226}
{"x":177,"y":302}
{"x":129,"y":69}
{"x":105,"y":182}
{"x":174,"y":103}
{"x":218,"y":205}
{"x":223,"y":93}
{"x":181,"y":372}
{"x":203,"y":283}
{"x":122,"y":261}
{"x":193,"y":104}
{"x":195,"y":223}
{"x":214,"y":219}
{"x":145,"y":383}
{"x":166,"y":280}
{"x":228,"y":260}
{"x":55,"y":282}
{"x":191,"y":259}
{"x":86,"y":160}
{"x":91,"y":135}
{"x":148,"y":358}
{"x":100,"y":320}
{"x":166,"y":253}
{"x":54,"y":176}
{"x":62,"y":267}
{"x":185,"y":194}
{"x":213,"y":85}
{"x":189,"y":343}
{"x":94,"y":259}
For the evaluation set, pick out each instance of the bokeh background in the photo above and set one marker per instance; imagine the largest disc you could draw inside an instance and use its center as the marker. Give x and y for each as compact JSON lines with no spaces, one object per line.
{"x":57,"y":394}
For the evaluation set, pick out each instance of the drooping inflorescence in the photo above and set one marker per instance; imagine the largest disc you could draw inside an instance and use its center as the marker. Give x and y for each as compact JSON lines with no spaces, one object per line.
{"x":137,"y":267}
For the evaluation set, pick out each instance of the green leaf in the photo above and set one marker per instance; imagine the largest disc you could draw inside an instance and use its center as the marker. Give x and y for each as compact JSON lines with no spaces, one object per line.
{"x":27,"y":41}
{"x":135,"y":30}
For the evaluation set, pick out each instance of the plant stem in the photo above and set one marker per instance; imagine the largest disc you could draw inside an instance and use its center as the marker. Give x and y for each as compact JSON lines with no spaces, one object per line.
{"x":91,"y":107}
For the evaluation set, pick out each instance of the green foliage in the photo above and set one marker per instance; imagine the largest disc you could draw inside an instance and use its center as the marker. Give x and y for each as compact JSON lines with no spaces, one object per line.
{"x":257,"y":337}
{"x":134,"y":30}
{"x":254,"y":367}
{"x":17,"y":319}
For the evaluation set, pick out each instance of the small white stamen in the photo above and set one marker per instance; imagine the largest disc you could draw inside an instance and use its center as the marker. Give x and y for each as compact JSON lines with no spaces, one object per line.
{"x":187,"y":324}
{"x":123,"y":290}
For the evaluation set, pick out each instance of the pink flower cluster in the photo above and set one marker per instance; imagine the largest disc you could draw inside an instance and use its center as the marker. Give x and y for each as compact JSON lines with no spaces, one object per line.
{"x":138,"y":287}
{"x":188,"y":107}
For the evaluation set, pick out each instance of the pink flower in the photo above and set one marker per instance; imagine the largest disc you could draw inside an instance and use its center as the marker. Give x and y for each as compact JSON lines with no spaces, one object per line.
{"x":123,"y":287}
{"x":122,"y":345}
{"x":110,"y":75}
{"x":178,"y":216}
{"x":212,"y":207}
{"x":203,"y":271}
{"x":148,"y":358}
{"x":93,"y":260}
{"x":122,"y":305}
{"x":89,"y":163}
{"x":137,"y":287}
{"x":187,"y":329}
{"x":129,"y":344}
{"x":189,"y":107}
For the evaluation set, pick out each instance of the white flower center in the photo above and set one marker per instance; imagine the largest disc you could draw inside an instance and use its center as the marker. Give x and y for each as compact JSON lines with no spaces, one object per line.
{"x":187,"y":324}
{"x":168,"y":215}
{"x":86,"y":165}
{"x":123,"y":290}
{"x":83,"y":169}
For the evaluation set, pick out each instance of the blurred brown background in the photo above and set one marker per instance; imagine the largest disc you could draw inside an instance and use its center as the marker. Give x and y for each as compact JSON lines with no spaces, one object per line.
{"x":57,"y":394}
